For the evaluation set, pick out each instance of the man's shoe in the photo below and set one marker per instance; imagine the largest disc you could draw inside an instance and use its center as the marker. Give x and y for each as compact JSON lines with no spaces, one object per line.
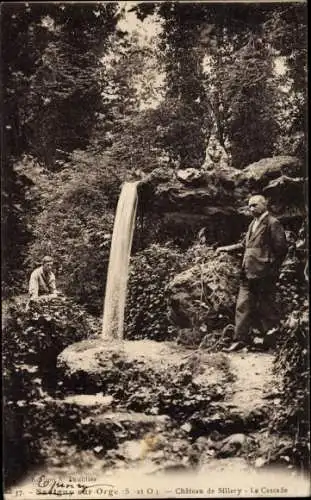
{"x":258,"y":341}
{"x":236,"y":346}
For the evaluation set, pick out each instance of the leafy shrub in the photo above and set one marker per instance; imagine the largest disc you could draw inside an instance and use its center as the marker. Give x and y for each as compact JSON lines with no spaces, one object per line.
{"x":292,"y":355}
{"x":32,"y":339}
{"x":45,"y":324}
{"x":146,"y":309}
{"x":173,"y":393}
{"x":220,"y":272}
{"x":292,"y":367}
{"x":202,"y":297}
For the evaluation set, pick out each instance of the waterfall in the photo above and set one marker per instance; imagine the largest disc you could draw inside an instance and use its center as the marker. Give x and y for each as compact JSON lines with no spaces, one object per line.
{"x":120,"y":252}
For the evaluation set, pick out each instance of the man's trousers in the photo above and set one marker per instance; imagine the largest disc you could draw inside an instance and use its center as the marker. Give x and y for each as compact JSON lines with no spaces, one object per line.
{"x":255,"y":307}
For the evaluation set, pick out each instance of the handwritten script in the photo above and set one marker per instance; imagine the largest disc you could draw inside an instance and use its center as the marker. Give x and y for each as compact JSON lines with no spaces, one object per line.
{"x":54,"y":486}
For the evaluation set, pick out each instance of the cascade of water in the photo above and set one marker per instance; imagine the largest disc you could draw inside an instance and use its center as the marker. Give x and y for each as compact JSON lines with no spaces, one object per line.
{"x":120,"y":252}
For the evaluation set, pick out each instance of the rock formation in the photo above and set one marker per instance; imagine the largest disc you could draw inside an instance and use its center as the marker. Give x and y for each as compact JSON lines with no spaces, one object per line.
{"x":216,"y":197}
{"x":202,"y":298}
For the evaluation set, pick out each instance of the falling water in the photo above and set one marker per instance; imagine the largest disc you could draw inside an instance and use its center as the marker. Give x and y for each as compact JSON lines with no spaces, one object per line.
{"x":120,"y":252}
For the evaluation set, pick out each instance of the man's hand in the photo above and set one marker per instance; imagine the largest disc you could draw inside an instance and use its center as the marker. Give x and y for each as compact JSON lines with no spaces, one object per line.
{"x":221,"y":249}
{"x":229,"y":248}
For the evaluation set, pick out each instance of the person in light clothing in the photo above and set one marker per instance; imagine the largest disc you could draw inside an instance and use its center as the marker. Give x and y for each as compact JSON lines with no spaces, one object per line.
{"x":42,"y":280}
{"x":265,"y":248}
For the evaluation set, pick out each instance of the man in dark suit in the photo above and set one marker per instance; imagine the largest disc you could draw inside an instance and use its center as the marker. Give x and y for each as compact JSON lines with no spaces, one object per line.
{"x":265,"y":248}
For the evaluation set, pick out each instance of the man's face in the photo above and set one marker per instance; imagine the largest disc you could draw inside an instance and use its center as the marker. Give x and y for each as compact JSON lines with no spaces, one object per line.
{"x":47,"y":267}
{"x":257,"y":205}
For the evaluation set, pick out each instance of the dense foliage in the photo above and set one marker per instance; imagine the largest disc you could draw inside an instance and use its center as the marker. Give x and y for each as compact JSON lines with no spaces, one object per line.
{"x":51,"y":73}
{"x":236,"y":82}
{"x":292,"y":364}
{"x":32,"y":339}
{"x":147,"y":302}
{"x":50,"y":78}
{"x":202,"y":298}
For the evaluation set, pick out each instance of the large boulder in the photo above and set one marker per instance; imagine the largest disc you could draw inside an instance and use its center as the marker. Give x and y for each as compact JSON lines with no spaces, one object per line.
{"x":188,"y":190}
{"x":258,"y":174}
{"x":189,"y":199}
{"x":193,"y":190}
{"x":282,"y":179}
{"x":219,"y":195}
{"x":203,"y":296}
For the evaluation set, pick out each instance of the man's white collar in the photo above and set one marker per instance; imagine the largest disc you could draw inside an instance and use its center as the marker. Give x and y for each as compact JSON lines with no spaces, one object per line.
{"x":262,"y":216}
